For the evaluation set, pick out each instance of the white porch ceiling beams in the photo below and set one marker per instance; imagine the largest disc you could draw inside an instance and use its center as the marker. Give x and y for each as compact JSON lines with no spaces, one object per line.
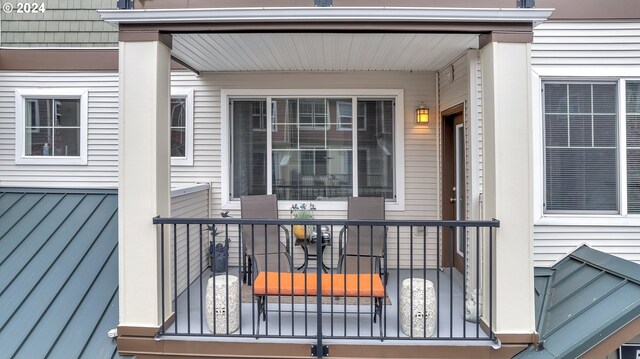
{"x":320,"y":51}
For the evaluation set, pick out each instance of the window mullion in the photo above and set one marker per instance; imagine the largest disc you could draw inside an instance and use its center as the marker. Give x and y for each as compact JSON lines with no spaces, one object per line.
{"x":52,"y":145}
{"x":354,"y":146}
{"x":622,"y":147}
{"x":269,"y":147}
{"x":326,"y":126}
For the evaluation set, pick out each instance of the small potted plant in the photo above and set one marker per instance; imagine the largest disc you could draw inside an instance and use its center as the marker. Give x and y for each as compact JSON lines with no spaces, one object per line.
{"x":303,"y":213}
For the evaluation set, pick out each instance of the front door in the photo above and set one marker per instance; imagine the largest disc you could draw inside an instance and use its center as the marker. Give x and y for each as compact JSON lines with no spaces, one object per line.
{"x":453,"y":186}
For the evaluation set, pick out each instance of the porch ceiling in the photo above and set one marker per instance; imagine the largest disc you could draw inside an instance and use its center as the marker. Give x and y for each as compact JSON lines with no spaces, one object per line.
{"x":319,"y":51}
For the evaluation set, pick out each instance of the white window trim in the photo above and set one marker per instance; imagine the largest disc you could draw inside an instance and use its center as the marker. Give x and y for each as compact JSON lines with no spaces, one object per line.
{"x":577,"y":219}
{"x":399,"y":173}
{"x":47,"y":93}
{"x":187,"y":94}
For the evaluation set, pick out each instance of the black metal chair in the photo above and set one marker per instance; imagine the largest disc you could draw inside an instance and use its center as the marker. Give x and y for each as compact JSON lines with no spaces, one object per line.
{"x":362,"y":249}
{"x":261,"y":244}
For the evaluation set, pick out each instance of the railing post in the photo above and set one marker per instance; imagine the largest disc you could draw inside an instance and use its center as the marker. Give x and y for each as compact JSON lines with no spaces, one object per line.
{"x":319,"y":349}
{"x":162,"y":283}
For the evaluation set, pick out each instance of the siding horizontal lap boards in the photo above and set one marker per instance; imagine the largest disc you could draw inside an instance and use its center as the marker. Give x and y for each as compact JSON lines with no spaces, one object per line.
{"x":585,"y":50}
{"x":102,"y":167}
{"x":191,"y":205}
{"x":586,"y":44}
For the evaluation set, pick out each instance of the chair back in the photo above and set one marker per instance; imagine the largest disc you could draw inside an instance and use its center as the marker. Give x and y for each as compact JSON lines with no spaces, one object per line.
{"x":365,"y":240}
{"x":260,"y":239}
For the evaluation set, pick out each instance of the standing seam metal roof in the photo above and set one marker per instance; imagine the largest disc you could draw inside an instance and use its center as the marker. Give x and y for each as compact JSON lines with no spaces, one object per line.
{"x":582,"y":300}
{"x":59,"y":265}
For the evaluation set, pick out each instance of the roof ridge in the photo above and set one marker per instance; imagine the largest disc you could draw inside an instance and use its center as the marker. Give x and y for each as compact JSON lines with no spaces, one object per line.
{"x":609,"y":263}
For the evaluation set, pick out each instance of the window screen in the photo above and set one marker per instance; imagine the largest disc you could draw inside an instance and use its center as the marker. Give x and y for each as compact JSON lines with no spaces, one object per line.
{"x":580,"y":147}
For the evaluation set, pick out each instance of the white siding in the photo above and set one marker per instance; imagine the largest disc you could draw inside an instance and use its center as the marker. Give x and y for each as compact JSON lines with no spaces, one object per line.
{"x":454,"y":90}
{"x":101,"y":170}
{"x":191,"y":205}
{"x":586,"y":43}
{"x":581,"y":50}
{"x":467,"y":82}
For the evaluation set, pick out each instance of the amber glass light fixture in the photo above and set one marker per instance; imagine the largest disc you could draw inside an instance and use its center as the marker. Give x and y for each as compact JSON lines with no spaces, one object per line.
{"x":422,"y":114}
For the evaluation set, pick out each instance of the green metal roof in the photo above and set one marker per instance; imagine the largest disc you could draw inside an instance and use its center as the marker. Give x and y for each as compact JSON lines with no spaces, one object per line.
{"x":59,"y":265}
{"x":581,"y":301}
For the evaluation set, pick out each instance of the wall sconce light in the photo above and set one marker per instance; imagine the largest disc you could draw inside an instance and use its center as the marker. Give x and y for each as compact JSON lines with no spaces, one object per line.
{"x":422,"y":114}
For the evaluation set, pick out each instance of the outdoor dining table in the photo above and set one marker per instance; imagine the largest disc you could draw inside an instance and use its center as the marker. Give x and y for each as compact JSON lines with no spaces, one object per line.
{"x":309,"y":248}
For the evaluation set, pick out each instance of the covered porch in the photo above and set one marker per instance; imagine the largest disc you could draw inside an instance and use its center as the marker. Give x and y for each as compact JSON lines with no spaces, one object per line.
{"x":340,"y":64}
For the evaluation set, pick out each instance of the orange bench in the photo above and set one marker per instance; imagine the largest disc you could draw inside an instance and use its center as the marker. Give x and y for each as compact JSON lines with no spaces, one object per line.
{"x":306,"y":284}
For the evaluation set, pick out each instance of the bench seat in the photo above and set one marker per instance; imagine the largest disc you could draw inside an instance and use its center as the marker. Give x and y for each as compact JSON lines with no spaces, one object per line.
{"x":333,"y":285}
{"x":306,"y":284}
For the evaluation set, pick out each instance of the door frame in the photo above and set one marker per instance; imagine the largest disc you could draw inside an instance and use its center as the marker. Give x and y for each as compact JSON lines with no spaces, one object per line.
{"x":447,"y":180}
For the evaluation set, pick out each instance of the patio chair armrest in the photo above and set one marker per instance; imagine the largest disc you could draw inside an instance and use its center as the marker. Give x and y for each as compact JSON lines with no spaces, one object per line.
{"x":384,"y":241}
{"x":342,"y":239}
{"x":287,"y":237}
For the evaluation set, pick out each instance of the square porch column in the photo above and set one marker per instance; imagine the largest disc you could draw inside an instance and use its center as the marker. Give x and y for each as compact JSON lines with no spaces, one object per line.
{"x":144,"y":177}
{"x":506,"y":87}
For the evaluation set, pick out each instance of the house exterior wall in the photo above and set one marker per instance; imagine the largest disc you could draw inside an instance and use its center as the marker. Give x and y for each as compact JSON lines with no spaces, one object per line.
{"x":461,"y":83}
{"x":581,"y":50}
{"x":421,"y":176}
{"x":101,"y":170}
{"x":420,"y":149}
{"x":63,"y":23}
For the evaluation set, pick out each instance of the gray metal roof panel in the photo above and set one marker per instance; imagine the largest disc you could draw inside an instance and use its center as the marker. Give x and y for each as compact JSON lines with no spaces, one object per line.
{"x":582,"y":300}
{"x":58,"y":256}
{"x":613,"y":264}
{"x":595,"y":324}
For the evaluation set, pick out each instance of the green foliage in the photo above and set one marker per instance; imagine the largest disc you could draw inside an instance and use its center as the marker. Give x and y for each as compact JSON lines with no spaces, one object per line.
{"x":302,"y":214}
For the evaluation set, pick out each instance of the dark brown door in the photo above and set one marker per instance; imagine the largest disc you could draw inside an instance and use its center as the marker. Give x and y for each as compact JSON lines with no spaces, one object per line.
{"x":453,"y":186}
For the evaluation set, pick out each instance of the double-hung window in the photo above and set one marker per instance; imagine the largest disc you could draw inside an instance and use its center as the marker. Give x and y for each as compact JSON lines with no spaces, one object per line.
{"x":51,"y":126}
{"x":181,"y":114}
{"x":312,"y":151}
{"x":584,"y":173}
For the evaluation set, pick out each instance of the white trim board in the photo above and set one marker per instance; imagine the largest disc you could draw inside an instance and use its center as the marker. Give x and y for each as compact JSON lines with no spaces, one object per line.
{"x":307,"y":14}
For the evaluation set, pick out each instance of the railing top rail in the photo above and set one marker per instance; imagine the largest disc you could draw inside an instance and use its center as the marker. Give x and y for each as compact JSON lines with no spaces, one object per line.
{"x":494,"y":223}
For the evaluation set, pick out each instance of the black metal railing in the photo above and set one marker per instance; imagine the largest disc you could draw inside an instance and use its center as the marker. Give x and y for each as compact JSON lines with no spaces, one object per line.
{"x":454,"y":257}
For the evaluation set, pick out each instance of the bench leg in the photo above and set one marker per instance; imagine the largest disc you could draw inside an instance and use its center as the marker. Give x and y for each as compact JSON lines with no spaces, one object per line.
{"x":379,"y":304}
{"x":261,"y":303}
{"x":244,"y":268}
